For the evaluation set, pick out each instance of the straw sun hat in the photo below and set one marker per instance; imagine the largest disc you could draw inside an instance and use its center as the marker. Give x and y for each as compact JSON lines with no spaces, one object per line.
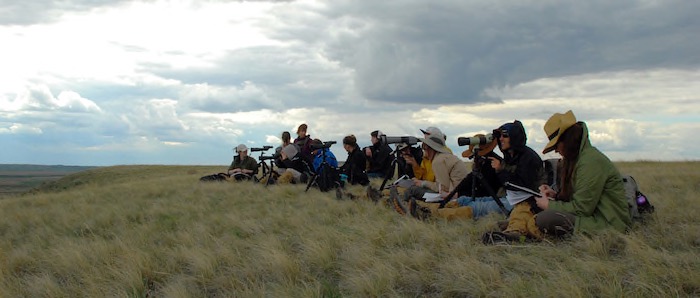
{"x":555,"y":126}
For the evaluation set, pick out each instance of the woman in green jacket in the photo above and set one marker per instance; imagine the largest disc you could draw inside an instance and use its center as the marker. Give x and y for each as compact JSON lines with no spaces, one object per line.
{"x":591,"y":195}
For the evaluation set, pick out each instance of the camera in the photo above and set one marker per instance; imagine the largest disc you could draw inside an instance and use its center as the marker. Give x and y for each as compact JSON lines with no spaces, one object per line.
{"x":265,"y":157}
{"x":480,"y":140}
{"x":395,"y":140}
{"x":263,"y":148}
{"x":316,"y":146}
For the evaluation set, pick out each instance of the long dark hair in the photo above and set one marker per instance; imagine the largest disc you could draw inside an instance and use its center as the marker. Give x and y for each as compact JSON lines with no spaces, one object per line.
{"x":286,"y":137}
{"x":571,"y":138}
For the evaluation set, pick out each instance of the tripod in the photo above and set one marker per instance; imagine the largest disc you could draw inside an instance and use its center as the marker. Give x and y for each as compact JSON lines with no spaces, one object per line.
{"x":266,"y":170}
{"x":392,"y":167}
{"x":476,"y":177}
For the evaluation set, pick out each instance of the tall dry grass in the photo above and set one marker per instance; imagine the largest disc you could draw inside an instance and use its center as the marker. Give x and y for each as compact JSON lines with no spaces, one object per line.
{"x":156,"y":231}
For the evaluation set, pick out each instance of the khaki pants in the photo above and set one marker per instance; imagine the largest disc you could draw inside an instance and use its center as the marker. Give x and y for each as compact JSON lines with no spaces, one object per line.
{"x":522,"y":221}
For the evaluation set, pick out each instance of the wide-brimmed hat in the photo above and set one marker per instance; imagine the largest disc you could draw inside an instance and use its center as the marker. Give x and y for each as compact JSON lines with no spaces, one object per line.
{"x":555,"y":126}
{"x":435,"y":142}
{"x":433,"y":131}
{"x":483,"y":149}
{"x":241,"y":147}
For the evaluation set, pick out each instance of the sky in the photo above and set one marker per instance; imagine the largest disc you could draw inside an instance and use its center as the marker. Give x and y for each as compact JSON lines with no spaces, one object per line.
{"x":99,"y":83}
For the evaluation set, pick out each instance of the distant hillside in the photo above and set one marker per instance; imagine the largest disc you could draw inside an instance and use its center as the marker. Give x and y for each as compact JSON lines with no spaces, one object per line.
{"x":20,"y":178}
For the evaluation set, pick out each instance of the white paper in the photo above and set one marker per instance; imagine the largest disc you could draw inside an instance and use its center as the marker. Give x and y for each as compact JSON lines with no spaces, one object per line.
{"x":403,"y":181}
{"x":432,"y":197}
{"x":516,"y":196}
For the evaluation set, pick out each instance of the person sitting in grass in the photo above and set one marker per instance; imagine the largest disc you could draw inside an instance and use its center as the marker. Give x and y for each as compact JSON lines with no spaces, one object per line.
{"x":379,"y":157}
{"x":318,"y":155}
{"x":591,"y":195}
{"x":521,"y":166}
{"x":356,"y":162}
{"x":243,"y":166}
{"x":296,"y":169}
{"x":449,"y":173}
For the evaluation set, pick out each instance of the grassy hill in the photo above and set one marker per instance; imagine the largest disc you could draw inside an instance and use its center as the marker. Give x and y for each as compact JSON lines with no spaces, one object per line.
{"x":20,"y":178}
{"x":156,"y":231}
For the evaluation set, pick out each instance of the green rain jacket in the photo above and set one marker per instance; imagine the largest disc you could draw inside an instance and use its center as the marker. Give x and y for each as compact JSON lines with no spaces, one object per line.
{"x":598,"y":200}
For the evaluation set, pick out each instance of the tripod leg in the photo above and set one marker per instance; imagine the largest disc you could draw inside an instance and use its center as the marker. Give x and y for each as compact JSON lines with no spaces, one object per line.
{"x":492,"y":193}
{"x":392,"y":169}
{"x":311,"y":182}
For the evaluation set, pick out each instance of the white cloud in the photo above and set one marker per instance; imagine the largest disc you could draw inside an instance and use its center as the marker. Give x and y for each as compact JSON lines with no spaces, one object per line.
{"x":18,"y":128}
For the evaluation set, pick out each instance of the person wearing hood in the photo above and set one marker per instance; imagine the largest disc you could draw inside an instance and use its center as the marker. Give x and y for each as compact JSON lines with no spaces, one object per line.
{"x":591,"y":195}
{"x":522,"y":166}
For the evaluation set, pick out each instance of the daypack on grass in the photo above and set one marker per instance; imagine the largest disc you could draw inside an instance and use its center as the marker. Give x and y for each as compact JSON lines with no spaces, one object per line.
{"x":226,"y":177}
{"x":328,"y":178}
{"x":216,"y":177}
{"x":639,"y":204}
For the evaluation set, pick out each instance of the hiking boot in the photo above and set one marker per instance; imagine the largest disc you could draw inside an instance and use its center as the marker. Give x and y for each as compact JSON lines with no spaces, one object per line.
{"x":396,"y":203}
{"x":494,"y":238}
{"x":502,"y":224}
{"x":502,"y":238}
{"x":373,"y":194}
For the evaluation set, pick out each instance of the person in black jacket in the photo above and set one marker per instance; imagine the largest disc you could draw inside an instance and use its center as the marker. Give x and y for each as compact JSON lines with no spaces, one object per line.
{"x":354,"y":166}
{"x":379,"y":156}
{"x":521,"y":166}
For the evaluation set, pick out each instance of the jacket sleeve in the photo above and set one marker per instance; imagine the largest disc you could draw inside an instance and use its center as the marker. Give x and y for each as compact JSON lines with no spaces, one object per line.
{"x":527,"y":171}
{"x":588,"y":188}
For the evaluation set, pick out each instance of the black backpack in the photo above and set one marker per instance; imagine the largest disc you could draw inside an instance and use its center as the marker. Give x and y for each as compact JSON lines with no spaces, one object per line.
{"x":225,"y":177}
{"x":327,"y":178}
{"x":638,"y":203}
{"x":215,"y":177}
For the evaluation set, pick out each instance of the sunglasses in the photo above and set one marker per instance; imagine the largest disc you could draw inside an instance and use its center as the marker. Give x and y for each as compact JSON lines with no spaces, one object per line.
{"x":500,"y":133}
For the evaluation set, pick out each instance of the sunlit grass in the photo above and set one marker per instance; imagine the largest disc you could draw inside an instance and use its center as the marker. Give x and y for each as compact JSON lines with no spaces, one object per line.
{"x":144,"y":231}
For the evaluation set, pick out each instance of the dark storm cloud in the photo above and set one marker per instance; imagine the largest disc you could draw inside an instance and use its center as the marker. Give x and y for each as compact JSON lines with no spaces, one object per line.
{"x":451,"y":52}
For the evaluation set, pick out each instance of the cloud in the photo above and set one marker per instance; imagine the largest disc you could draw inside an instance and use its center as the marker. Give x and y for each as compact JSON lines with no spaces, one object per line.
{"x":40,"y":98}
{"x":44,"y":11}
{"x":451,"y":52}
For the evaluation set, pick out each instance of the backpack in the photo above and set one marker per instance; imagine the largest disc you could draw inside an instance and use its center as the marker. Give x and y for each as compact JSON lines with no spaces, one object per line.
{"x":327,"y":178}
{"x":639,"y":204}
{"x":225,"y":177}
{"x":215,"y":177}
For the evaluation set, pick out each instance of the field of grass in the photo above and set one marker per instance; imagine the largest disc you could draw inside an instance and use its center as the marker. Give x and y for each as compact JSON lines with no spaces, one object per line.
{"x":156,"y":231}
{"x":19,"y":178}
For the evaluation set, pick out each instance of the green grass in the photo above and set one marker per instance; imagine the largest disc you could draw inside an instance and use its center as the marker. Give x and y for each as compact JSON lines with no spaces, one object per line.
{"x":156,"y":231}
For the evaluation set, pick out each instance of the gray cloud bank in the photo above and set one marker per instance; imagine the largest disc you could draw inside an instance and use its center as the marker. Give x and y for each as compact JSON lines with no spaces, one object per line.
{"x":344,"y":64}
